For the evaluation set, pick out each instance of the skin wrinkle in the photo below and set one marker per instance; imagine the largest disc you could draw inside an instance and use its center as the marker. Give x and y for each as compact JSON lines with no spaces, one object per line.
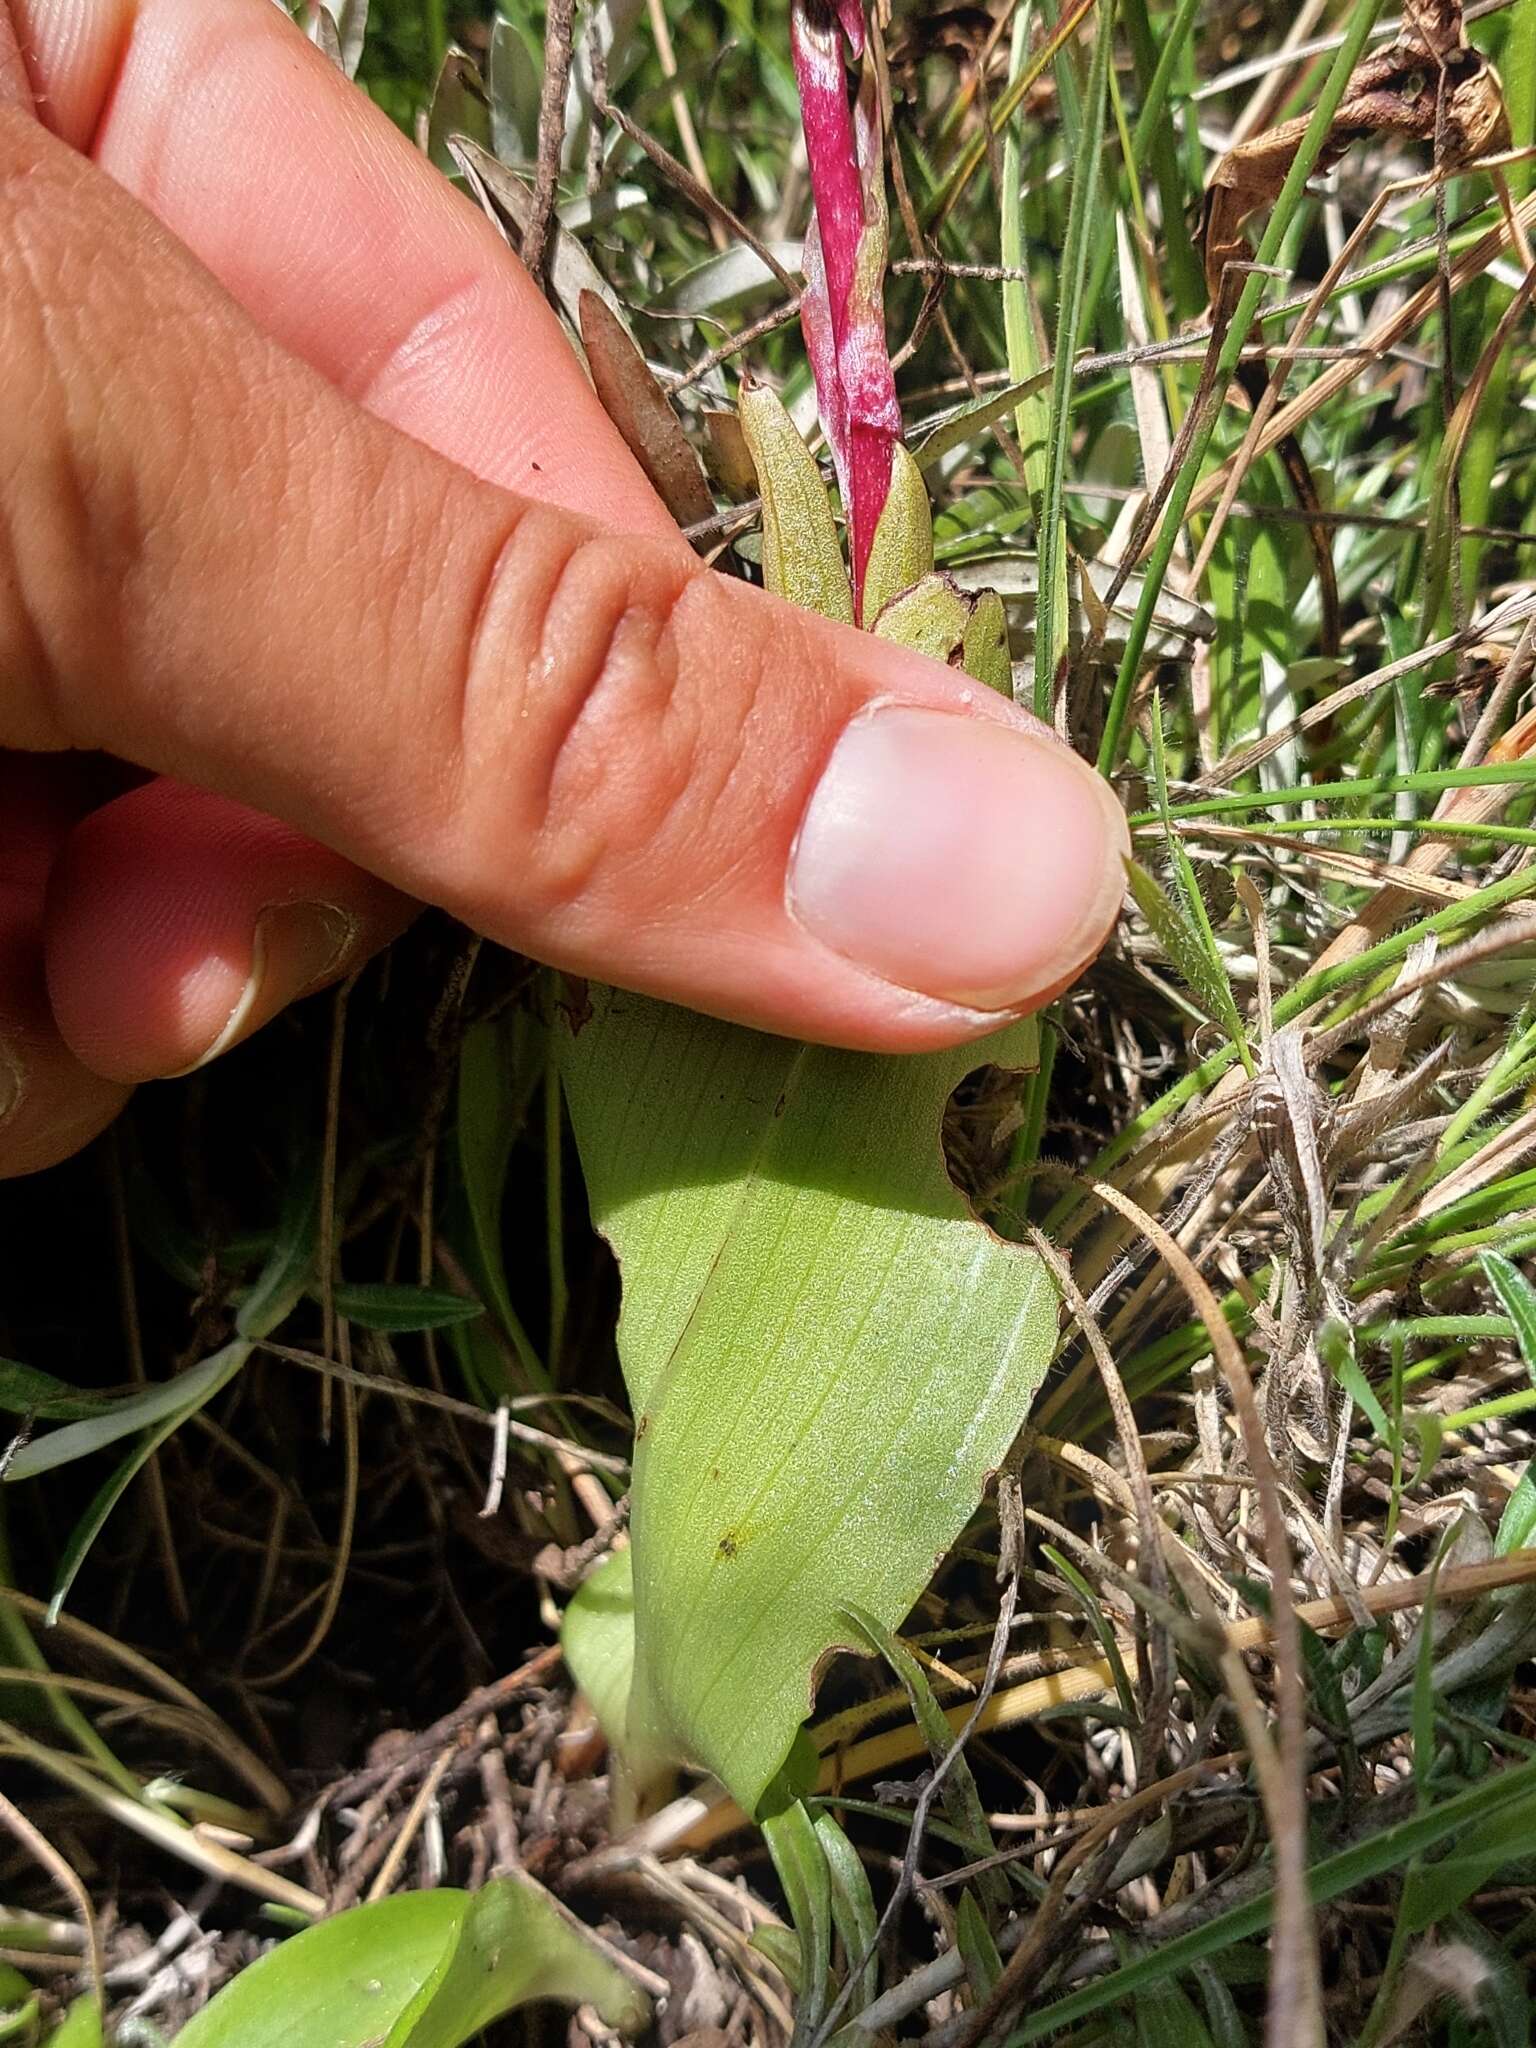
{"x":604,"y":621}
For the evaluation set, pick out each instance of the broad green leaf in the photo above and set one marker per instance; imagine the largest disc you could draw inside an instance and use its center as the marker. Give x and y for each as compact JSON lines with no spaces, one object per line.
{"x":418,"y":1970}
{"x":802,"y":557}
{"x":1165,"y":2018}
{"x":825,"y":1352}
{"x":930,"y":617}
{"x":902,"y":551}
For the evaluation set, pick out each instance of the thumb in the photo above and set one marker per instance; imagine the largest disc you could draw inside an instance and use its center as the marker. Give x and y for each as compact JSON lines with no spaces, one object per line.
{"x":586,"y":746}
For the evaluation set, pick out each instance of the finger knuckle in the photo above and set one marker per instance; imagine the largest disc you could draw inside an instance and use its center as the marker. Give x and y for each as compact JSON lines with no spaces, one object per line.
{"x":580,"y":712}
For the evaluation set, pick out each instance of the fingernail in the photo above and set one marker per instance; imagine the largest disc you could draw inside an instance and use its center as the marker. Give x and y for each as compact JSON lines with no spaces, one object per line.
{"x":958,"y":857}
{"x":294,"y":948}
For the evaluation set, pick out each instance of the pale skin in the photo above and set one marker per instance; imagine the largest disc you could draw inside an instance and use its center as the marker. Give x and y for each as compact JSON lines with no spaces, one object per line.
{"x":326,"y":589}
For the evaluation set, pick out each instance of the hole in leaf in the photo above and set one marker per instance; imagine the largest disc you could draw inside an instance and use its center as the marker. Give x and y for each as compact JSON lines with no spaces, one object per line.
{"x":981,"y":1119}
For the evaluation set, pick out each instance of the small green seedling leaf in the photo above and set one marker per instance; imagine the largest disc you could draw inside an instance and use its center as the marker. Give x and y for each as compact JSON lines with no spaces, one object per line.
{"x":418,"y":1970}
{"x":984,"y":650}
{"x":902,"y":550}
{"x":802,"y":557}
{"x":20,"y":2007}
{"x":825,"y":1352}
{"x":930,"y":618}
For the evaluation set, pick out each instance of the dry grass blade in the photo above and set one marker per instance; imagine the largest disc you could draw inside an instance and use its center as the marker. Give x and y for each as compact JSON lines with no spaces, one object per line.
{"x":1295,"y":2009}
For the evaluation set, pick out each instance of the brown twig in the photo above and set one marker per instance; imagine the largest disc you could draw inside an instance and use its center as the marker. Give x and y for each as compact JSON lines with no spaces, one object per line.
{"x":558,"y":40}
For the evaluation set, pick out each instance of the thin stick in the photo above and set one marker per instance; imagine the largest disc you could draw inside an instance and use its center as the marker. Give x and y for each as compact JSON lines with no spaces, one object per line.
{"x":68,"y":1880}
{"x":552,"y":94}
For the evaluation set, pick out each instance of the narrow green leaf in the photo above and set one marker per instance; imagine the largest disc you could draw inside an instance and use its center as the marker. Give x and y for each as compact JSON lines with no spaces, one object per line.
{"x":1518,"y":1299}
{"x":1072,"y":279}
{"x":902,"y":551}
{"x":978,"y":1951}
{"x":418,"y":1970}
{"x":1211,"y":979}
{"x":382,"y":1305}
{"x":825,"y":1352}
{"x":1184,"y":946}
{"x":802,"y":1868}
{"x":1517,"y":1524}
{"x":26,"y":1391}
{"x":1360,"y":22}
{"x":500,"y":1064}
{"x":959,"y":1799}
{"x":208,"y":1378}
{"x":802,"y":557}
{"x":166,"y":1399}
{"x":853,"y":1907}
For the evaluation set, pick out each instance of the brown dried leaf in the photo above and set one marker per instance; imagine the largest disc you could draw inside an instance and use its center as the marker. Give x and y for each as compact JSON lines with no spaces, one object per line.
{"x":726,"y":454}
{"x":638,"y":407}
{"x":1429,"y":86}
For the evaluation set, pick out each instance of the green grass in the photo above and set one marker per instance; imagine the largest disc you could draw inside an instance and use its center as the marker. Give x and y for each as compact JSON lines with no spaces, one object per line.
{"x":304,"y":1568}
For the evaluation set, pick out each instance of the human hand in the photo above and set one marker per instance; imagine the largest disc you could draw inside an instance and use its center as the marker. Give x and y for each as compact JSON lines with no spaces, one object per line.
{"x":308,"y":516}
